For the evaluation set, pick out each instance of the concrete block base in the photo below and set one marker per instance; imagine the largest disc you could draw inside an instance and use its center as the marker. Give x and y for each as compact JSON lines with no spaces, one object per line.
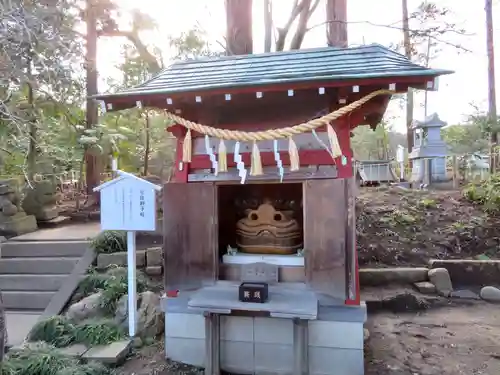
{"x":257,"y":345}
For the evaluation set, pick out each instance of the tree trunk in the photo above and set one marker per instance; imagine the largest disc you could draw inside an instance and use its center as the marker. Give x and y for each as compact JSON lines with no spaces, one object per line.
{"x":239,"y":27}
{"x":336,"y":23}
{"x":146,"y":146}
{"x":92,"y":177}
{"x":32,"y":144}
{"x":409,"y":96}
{"x":301,"y":31}
{"x":268,"y":25}
{"x":492,"y":109}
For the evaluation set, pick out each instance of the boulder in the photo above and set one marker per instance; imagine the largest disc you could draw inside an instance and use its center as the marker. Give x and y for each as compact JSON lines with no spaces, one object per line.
{"x":441,"y":280}
{"x":154,"y":256}
{"x":150,"y":318}
{"x":86,"y":308}
{"x":490,"y":294}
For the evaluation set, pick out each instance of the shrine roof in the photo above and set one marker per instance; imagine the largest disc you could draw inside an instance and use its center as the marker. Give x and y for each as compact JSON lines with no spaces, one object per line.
{"x":289,"y":67}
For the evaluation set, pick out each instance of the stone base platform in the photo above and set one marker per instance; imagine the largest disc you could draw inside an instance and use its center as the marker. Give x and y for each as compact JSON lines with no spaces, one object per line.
{"x":264,"y":345}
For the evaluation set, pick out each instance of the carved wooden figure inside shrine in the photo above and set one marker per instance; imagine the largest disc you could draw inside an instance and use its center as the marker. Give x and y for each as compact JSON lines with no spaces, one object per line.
{"x":263,"y":175}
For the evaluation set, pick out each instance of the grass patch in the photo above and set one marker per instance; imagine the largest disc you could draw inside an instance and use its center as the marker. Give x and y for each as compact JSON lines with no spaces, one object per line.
{"x":116,"y":286}
{"x":91,"y":368}
{"x":42,"y":361}
{"x":46,"y":360}
{"x":59,"y":332}
{"x":109,"y":241}
{"x":56,"y":330}
{"x":485,"y":193}
{"x":112,"y":284}
{"x":98,"y":332}
{"x":427,"y":203}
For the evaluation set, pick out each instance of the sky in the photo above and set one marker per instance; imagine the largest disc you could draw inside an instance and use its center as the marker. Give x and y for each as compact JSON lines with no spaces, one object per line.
{"x":459,"y":94}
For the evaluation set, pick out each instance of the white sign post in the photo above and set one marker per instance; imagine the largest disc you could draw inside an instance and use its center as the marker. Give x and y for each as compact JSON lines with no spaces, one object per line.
{"x":128,"y":203}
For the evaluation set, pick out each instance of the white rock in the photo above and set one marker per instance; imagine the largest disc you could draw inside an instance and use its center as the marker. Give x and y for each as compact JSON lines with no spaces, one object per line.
{"x":490,"y":294}
{"x":441,"y":280}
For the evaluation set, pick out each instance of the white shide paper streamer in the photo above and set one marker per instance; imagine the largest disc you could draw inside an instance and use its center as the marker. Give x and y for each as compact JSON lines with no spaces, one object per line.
{"x":277,"y":158}
{"x":242,"y":171}
{"x":211,"y":155}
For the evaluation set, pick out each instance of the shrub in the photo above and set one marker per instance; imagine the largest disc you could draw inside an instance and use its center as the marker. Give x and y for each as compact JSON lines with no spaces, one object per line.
{"x":485,"y":193}
{"x":110,"y":241}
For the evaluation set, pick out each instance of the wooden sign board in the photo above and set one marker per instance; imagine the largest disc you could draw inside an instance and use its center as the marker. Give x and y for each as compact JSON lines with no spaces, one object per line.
{"x":128,"y":203}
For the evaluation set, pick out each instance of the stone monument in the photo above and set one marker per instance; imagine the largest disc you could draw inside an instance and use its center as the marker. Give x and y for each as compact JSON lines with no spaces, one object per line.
{"x":40,"y":200}
{"x":13,"y":219}
{"x":429,"y":151}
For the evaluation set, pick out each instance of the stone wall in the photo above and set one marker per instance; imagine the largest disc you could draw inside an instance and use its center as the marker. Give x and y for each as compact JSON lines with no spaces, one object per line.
{"x":151,"y":260}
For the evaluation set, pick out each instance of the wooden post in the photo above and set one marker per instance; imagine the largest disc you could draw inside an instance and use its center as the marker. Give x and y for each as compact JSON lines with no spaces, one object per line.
{"x":131,"y":278}
{"x":492,"y":110}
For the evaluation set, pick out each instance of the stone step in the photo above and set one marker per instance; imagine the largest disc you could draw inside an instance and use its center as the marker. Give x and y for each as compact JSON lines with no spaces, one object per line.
{"x":26,"y":300}
{"x":14,"y":249}
{"x":47,"y":283}
{"x":39,"y":266}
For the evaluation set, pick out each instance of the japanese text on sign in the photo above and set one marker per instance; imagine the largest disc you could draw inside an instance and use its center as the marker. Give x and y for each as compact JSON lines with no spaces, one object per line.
{"x":142,"y":203}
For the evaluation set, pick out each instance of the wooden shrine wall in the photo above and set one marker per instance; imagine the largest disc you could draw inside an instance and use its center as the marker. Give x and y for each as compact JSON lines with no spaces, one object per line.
{"x":191,"y":253}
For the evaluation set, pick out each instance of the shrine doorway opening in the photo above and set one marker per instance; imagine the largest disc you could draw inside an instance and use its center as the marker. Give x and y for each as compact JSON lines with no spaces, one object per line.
{"x":260,"y":223}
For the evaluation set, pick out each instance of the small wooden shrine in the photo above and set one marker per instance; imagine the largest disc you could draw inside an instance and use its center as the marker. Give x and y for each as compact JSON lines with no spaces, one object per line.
{"x":263,"y":192}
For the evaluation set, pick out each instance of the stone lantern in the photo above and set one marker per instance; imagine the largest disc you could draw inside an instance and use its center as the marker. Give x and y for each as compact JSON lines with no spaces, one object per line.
{"x":429,"y":151}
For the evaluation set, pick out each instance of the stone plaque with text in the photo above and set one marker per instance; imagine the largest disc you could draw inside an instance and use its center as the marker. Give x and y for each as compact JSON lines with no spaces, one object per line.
{"x":259,"y":272}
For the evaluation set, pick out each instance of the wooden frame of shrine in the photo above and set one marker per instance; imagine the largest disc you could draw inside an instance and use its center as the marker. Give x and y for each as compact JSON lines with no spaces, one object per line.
{"x":274,"y":125}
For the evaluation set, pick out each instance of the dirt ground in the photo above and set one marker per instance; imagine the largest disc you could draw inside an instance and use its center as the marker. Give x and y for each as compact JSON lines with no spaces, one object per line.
{"x":459,"y":340}
{"x":445,"y":341}
{"x":397,"y":227}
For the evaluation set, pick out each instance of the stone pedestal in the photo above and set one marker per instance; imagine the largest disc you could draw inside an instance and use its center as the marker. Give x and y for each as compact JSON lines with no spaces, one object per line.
{"x":41,"y":200}
{"x":13,"y":220}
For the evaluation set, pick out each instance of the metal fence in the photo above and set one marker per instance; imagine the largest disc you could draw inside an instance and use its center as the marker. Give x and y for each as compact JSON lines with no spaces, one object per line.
{"x":455,"y":169}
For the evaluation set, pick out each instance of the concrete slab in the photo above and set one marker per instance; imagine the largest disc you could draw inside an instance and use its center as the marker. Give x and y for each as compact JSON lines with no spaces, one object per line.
{"x":112,"y":354}
{"x":76,"y":350}
{"x":82,"y":231}
{"x":19,"y":324}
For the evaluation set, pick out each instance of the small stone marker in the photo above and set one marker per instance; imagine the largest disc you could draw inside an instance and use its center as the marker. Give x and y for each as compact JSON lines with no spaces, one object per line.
{"x":441,"y":280}
{"x":112,"y":354}
{"x":259,"y":272}
{"x":425,"y":287}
